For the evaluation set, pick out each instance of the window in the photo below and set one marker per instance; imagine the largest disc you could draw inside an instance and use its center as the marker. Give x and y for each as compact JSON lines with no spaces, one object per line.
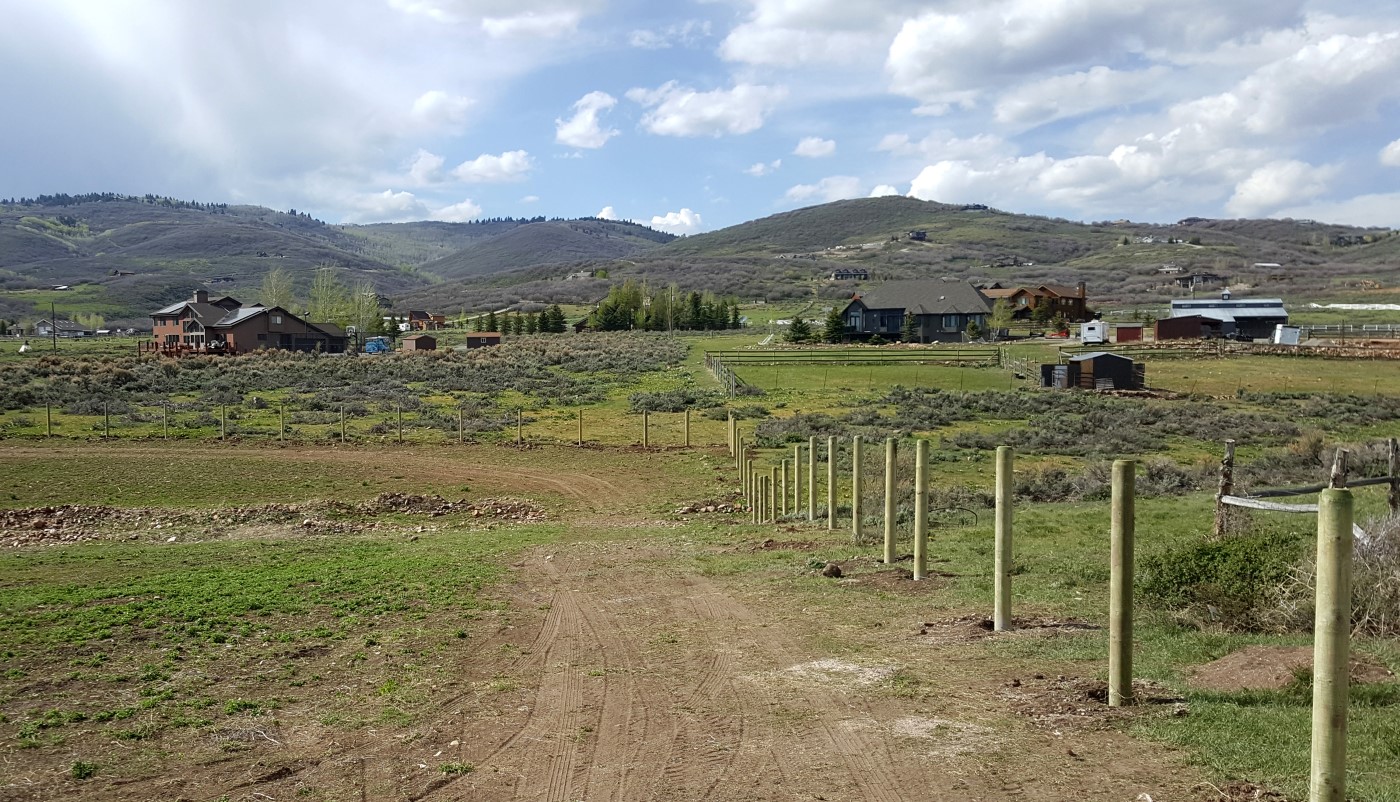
{"x":1021,"y":301}
{"x":276,"y":320}
{"x":950,"y":322}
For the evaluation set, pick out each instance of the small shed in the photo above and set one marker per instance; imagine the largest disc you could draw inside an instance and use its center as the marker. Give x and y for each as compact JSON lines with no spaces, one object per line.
{"x":1188,"y":327}
{"x":1095,"y":370}
{"x":483,"y":339}
{"x":1128,"y":333}
{"x":419,"y":342}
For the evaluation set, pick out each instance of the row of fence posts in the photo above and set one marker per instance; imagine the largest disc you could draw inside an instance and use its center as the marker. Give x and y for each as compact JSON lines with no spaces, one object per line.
{"x":765,"y":496}
{"x":344,"y":433}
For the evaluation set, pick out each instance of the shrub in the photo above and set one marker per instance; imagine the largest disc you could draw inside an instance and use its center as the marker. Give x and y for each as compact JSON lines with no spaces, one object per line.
{"x":1375,"y":585}
{"x":674,"y":400}
{"x":1229,"y":582}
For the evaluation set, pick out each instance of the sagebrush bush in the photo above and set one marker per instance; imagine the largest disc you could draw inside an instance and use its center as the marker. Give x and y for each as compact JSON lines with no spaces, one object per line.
{"x":1375,"y":585}
{"x":1230,"y":582}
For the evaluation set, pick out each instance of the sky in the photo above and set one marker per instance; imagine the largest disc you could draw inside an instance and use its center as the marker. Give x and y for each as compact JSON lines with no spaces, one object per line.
{"x":693,"y":115}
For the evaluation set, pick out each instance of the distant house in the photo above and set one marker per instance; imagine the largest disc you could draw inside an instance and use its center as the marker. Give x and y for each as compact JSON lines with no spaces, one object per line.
{"x":1201,"y":280}
{"x":224,"y":325}
{"x":419,"y":342}
{"x":850,"y":274}
{"x":1068,"y":302}
{"x":919,"y":235}
{"x":65,"y":328}
{"x":418,"y":320}
{"x":1096,"y":370}
{"x":942,"y":310}
{"x":483,"y":339}
{"x":578,"y":275}
{"x":1242,"y":318}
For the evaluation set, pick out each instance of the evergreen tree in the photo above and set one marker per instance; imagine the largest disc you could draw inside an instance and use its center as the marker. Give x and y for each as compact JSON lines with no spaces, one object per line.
{"x":492,"y":324}
{"x":479,"y":323}
{"x":974,"y":331}
{"x":734,"y":320}
{"x":532,"y":323}
{"x":555,"y":317}
{"x":910,"y":331}
{"x":834,"y":328}
{"x":517,"y":324}
{"x":800,"y":331}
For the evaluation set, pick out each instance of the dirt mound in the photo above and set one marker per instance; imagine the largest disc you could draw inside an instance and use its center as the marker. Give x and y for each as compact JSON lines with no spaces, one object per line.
{"x":975,"y":627}
{"x":1274,"y":667}
{"x":1062,"y":701}
{"x":73,"y":523}
{"x":1239,"y":791}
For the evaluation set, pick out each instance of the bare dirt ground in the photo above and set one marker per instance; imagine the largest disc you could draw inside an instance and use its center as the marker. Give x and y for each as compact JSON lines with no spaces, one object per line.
{"x":620,"y":677}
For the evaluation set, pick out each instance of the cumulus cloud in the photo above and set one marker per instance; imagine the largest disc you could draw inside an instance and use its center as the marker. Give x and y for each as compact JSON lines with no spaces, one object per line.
{"x":530,"y":199}
{"x":583,"y":130}
{"x":683,"y":222}
{"x":831,"y":188}
{"x":1378,"y":209}
{"x":438,"y":109}
{"x":883,"y":190}
{"x":944,"y":145}
{"x":607,"y":213}
{"x":503,"y":18}
{"x":761,"y":169}
{"x":462,"y":212}
{"x":675,"y":110}
{"x":1390,"y":154}
{"x":814,"y":147}
{"x":385,"y":207}
{"x":513,"y":165}
{"x":784,"y":33}
{"x":1278,"y":184}
{"x":426,"y":168}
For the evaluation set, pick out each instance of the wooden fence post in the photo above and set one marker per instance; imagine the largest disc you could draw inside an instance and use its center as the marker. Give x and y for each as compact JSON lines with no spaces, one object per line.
{"x":106,"y":422}
{"x":1001,"y":617}
{"x":342,"y":423}
{"x":398,"y":408}
{"x":519,"y":426}
{"x":165,"y":420}
{"x":1120,"y":586}
{"x":48,"y":419}
{"x":580,"y":427}
{"x":1331,"y":644}
{"x":770,"y":494}
{"x":831,"y":483}
{"x":857,"y":469}
{"x":921,"y":509}
{"x":281,"y":421}
{"x":1394,"y":496}
{"x":891,"y":482}
{"x":733,"y":445}
{"x":687,"y":427}
{"x":812,"y":478}
{"x":1227,"y":487}
{"x":782,"y":488}
{"x":797,"y":480}
{"x":461,"y":423}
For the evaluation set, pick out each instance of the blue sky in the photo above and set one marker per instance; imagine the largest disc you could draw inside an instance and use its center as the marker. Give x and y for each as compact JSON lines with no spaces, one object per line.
{"x":691,"y":116}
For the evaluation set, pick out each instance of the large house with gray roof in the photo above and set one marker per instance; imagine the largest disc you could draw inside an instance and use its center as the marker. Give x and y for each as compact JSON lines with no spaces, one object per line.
{"x":1235,"y":318}
{"x":942,"y":310}
{"x":224,"y":325}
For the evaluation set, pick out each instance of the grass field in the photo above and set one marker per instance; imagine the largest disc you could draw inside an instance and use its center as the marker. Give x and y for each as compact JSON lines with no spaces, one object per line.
{"x":186,"y":639}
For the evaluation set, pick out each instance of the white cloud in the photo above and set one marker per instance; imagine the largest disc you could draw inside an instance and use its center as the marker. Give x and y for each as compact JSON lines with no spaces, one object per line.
{"x":943,"y":145}
{"x":582,"y":130}
{"x":426,"y":168}
{"x":607,"y":213}
{"x":437,"y":109}
{"x":675,"y":110}
{"x":1065,"y":96}
{"x":831,"y":188}
{"x":548,"y":25}
{"x":530,"y":199}
{"x":763,"y":168}
{"x":1380,"y":209}
{"x":1390,"y":154}
{"x":387,"y":206}
{"x":462,"y":212}
{"x":513,"y":165}
{"x":683,"y":222}
{"x":793,"y":33}
{"x":1277,"y":184}
{"x":814,"y":147}
{"x":685,"y":34}
{"x":883,"y":190}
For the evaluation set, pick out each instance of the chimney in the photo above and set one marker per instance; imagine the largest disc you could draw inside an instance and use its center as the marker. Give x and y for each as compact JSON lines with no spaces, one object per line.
{"x":201,"y":296}
{"x":1082,"y":289}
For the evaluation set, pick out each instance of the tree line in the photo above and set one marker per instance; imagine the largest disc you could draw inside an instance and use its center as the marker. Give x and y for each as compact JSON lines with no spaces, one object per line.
{"x":630,"y":305}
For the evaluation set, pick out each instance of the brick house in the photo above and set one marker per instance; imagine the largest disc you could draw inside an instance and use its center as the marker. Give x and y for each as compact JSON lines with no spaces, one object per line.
{"x":1069,"y":302}
{"x":223,"y":325}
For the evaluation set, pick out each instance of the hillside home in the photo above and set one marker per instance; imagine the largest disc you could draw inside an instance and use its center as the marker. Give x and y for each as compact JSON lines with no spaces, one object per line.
{"x":942,"y":310}
{"x":1068,"y":302}
{"x":850,"y":274}
{"x":419,"y":320}
{"x":65,"y":328}
{"x":1233,"y":318}
{"x":223,"y":325}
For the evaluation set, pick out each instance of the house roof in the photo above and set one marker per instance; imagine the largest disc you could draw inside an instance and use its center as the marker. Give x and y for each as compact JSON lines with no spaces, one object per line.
{"x":64,"y":325}
{"x":1233,"y":309}
{"x":237,"y":316}
{"x":420,"y":337}
{"x":1096,"y":354}
{"x":330,"y":329}
{"x":1061,"y":290}
{"x":926,"y":297}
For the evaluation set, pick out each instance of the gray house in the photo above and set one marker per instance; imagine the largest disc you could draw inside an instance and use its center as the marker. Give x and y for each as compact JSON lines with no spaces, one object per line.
{"x":1242,"y":318}
{"x":942,"y":310}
